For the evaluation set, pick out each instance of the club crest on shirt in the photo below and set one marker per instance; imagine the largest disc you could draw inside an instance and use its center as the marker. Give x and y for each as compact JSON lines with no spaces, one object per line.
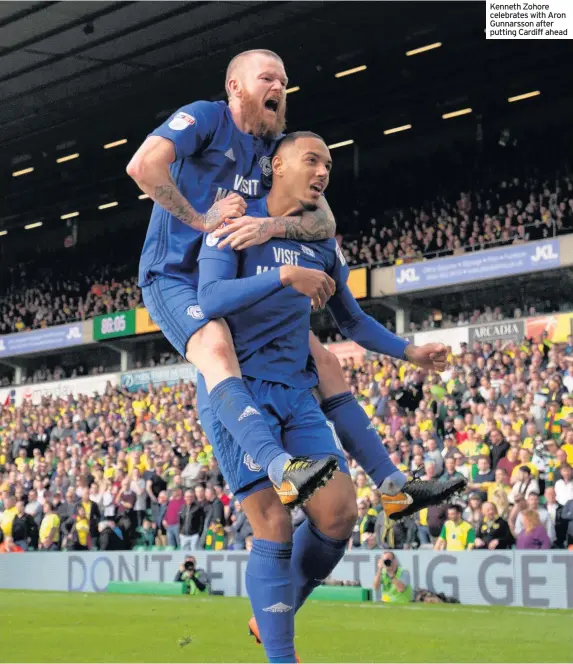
{"x":265,"y":164}
{"x":181,"y":121}
{"x":211,"y":240}
{"x":266,"y":171}
{"x":251,"y":465}
{"x":195,"y":312}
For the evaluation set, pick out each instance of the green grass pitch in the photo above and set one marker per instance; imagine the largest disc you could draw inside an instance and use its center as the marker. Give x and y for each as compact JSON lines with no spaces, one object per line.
{"x":70,"y":627}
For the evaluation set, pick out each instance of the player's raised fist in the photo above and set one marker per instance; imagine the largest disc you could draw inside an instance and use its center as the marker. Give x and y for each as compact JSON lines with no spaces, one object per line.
{"x":316,"y":285}
{"x":231,"y":206}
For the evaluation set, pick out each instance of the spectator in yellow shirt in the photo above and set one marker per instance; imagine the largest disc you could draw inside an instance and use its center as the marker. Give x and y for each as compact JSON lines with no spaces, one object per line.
{"x":500,"y":484}
{"x":49,"y":529}
{"x":531,"y":436}
{"x":516,"y":422}
{"x":567,"y":446}
{"x":362,"y":487}
{"x":369,"y":409}
{"x":424,"y":421}
{"x":80,"y":532}
{"x":524,"y":459}
{"x":8,"y":515}
{"x":457,"y":534}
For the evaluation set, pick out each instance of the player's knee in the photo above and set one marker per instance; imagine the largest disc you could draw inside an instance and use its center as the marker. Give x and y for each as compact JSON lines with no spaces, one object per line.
{"x":330,"y":374}
{"x":268,"y":517}
{"x":344,"y":515}
{"x":339,"y":519}
{"x":212,"y":344}
{"x":326,"y":361}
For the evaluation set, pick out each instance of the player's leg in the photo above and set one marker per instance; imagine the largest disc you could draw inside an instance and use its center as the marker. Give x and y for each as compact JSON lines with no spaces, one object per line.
{"x":400,"y":496}
{"x":319,"y":543}
{"x":268,"y":573}
{"x":295,"y":479}
{"x":172,"y":304}
{"x":352,"y":424}
{"x":212,"y":351}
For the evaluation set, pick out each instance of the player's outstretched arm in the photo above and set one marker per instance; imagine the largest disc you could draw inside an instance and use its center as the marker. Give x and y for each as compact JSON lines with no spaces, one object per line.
{"x":306,"y":227}
{"x":364,"y":329}
{"x":370,"y":334}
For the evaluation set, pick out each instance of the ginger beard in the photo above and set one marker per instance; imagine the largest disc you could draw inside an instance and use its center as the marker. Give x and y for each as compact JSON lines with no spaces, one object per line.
{"x":264,"y":123}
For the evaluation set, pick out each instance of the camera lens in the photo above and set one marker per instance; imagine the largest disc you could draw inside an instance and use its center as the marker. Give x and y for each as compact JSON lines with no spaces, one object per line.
{"x":388,"y":563}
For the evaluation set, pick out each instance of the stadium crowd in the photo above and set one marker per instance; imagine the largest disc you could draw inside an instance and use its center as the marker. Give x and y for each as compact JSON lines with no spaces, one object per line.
{"x":123,"y":470}
{"x":56,"y":290}
{"x":54,"y":301}
{"x":517,"y":211}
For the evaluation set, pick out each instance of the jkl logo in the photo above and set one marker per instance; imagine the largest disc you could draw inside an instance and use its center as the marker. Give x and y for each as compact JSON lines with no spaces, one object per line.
{"x":407,"y":275}
{"x":544,"y":253}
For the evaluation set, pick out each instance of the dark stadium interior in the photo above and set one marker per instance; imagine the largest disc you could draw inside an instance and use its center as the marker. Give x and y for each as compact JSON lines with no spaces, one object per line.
{"x":67,"y":90}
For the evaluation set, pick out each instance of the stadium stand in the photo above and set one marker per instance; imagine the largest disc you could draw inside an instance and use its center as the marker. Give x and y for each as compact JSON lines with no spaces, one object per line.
{"x":503,"y":419}
{"x":515,"y":212}
{"x":69,"y":287}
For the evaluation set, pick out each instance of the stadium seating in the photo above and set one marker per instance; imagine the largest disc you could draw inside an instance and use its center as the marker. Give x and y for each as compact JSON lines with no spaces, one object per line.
{"x":92,"y":442}
{"x":520,"y":414}
{"x":519,"y":211}
{"x":65,"y":288}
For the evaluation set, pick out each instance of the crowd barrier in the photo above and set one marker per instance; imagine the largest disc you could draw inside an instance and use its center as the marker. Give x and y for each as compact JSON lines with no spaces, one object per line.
{"x":505,"y":578}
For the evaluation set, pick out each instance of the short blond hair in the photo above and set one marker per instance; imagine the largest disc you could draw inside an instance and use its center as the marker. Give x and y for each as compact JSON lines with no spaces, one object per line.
{"x":238,"y":59}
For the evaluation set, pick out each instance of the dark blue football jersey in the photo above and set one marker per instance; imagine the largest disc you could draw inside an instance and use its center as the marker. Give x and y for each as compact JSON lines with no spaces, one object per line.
{"x":271,"y":335}
{"x":213,"y":158}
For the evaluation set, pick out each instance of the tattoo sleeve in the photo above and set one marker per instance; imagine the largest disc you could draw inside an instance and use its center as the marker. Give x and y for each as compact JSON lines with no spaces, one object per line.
{"x":171,"y":199}
{"x":310,"y":226}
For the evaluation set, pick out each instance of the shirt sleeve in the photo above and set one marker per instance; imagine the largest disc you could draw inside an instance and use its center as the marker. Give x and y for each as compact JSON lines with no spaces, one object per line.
{"x":471,"y":536}
{"x":338,"y":269}
{"x":363,"y":329}
{"x":220,"y":292}
{"x":191,"y":128}
{"x":350,"y":318}
{"x":443,"y":532}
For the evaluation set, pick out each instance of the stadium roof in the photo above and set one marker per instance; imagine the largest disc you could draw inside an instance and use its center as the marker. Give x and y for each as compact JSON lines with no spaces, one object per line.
{"x":75,"y":76}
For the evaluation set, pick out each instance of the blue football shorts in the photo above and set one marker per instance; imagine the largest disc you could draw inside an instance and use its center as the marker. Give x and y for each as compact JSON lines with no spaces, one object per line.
{"x":173,"y":305}
{"x":294,"y":418}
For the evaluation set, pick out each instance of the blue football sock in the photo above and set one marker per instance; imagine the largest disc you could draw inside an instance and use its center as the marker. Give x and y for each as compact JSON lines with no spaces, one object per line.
{"x":314,"y":556}
{"x":233,"y":405}
{"x":269,"y":586}
{"x":276,"y":468}
{"x":360,"y":439}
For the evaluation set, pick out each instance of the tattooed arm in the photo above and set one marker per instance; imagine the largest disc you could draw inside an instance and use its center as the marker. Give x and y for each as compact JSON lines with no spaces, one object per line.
{"x":316,"y":225}
{"x":149,"y":168}
{"x":307,"y":227}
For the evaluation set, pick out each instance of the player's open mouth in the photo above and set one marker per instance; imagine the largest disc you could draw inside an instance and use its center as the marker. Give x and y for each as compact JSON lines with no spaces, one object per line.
{"x":272,"y":105}
{"x":317,"y":187}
